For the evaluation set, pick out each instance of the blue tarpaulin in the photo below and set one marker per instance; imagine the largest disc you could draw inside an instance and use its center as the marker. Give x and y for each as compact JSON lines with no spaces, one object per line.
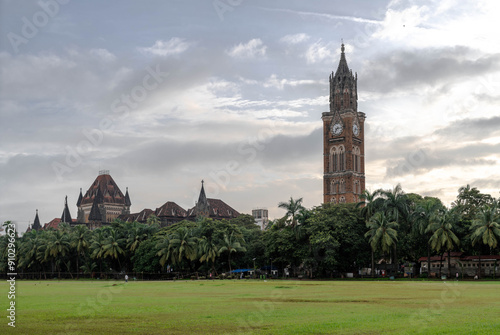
{"x":241,"y":270}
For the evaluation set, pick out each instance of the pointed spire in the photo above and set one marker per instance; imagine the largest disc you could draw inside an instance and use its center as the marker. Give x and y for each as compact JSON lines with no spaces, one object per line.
{"x":80,"y":197}
{"x":66,"y":216}
{"x":127,"y":199}
{"x":95,"y":213}
{"x":202,"y":199}
{"x":343,"y":68}
{"x":36,"y":224}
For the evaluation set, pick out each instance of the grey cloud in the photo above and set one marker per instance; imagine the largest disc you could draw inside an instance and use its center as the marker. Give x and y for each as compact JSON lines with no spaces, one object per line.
{"x":471,"y":129}
{"x":410,"y":69}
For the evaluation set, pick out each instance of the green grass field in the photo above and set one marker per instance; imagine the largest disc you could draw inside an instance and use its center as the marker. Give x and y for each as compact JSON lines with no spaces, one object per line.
{"x":254,"y":307}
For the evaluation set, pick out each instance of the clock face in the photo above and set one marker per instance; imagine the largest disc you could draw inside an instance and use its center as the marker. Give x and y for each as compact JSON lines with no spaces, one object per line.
{"x":355,"y":129}
{"x":337,"y":129}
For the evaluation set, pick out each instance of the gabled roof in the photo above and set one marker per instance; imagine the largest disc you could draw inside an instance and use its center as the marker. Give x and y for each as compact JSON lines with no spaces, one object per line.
{"x":105,"y":190}
{"x":170,"y":209}
{"x":217,"y":209}
{"x":54,"y":224}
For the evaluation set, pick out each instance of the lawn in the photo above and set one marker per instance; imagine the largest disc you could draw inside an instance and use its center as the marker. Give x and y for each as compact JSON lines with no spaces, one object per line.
{"x":254,"y":307}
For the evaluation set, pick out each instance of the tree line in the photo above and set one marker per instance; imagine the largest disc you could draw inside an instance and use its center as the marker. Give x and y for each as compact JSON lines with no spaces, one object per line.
{"x":322,"y":242}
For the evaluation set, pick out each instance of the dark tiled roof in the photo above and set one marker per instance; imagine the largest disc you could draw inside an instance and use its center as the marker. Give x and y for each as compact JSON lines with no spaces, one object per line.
{"x":142,"y":216}
{"x":170,"y":209}
{"x":105,"y":190}
{"x":95,"y":213}
{"x":217,"y":209}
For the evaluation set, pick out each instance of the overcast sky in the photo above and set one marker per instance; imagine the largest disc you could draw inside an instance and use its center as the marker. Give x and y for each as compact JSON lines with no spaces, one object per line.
{"x":167,"y":93}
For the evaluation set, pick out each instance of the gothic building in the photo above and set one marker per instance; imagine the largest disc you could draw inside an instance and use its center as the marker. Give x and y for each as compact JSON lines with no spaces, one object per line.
{"x":103,"y":202}
{"x":343,"y":139}
{"x":170,"y":212}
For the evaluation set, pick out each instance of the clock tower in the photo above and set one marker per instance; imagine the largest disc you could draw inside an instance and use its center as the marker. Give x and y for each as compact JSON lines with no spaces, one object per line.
{"x":343,"y":139}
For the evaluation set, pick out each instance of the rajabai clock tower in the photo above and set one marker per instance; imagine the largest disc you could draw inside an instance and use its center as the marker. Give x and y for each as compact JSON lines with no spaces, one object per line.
{"x":343,"y":139}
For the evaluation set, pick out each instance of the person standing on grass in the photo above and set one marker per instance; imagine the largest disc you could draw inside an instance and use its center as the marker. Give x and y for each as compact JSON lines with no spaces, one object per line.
{"x":457,"y":276}
{"x":126,"y":278}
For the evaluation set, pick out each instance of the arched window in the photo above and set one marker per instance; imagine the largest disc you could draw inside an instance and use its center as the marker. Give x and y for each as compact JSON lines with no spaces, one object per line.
{"x":342,"y":186}
{"x":356,"y":159}
{"x":334,"y":159}
{"x":334,"y":187}
{"x":342,"y":200}
{"x":341,"y":158}
{"x":333,"y":200}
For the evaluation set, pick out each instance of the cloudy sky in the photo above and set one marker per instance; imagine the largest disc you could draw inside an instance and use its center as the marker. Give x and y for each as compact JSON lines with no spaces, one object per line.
{"x":167,"y":93}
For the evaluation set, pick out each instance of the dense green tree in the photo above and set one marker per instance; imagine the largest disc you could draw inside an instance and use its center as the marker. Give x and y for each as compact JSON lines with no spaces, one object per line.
{"x":382,"y":234}
{"x":57,"y":247}
{"x":443,"y":238}
{"x":230,"y":244}
{"x":292,"y":207}
{"x":486,"y":228}
{"x":80,"y":241}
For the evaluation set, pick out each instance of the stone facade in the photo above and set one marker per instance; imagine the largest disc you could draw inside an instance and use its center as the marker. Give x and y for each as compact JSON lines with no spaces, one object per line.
{"x":343,"y":139}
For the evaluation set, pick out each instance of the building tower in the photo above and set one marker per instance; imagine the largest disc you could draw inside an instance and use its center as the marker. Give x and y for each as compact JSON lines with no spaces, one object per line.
{"x":343,"y":139}
{"x":103,"y":201}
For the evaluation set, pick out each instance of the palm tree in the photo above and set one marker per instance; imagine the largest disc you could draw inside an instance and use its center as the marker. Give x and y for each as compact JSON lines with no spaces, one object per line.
{"x":136,"y":235}
{"x":58,"y":245}
{"x":292,"y":207}
{"x":370,"y":203}
{"x":80,"y":241}
{"x":209,"y":251}
{"x":165,"y":251}
{"x":382,"y":233}
{"x":395,"y":202}
{"x":184,"y":245}
{"x":422,"y":217}
{"x":113,"y":247}
{"x":231,"y":244}
{"x":443,"y":237}
{"x":97,"y":246}
{"x":486,"y":228}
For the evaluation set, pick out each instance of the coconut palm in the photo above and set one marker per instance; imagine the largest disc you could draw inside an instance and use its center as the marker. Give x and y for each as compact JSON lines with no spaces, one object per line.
{"x":395,"y":202}
{"x":422,"y":217}
{"x":486,"y":228}
{"x":80,"y":240}
{"x":292,"y":208}
{"x":165,"y":251}
{"x":209,"y":251}
{"x":370,"y":203}
{"x":98,"y":242}
{"x":113,"y":246}
{"x":136,"y":234}
{"x":231,"y":244}
{"x":382,"y":233}
{"x":184,"y":244}
{"x":58,"y":245}
{"x":443,"y":238}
